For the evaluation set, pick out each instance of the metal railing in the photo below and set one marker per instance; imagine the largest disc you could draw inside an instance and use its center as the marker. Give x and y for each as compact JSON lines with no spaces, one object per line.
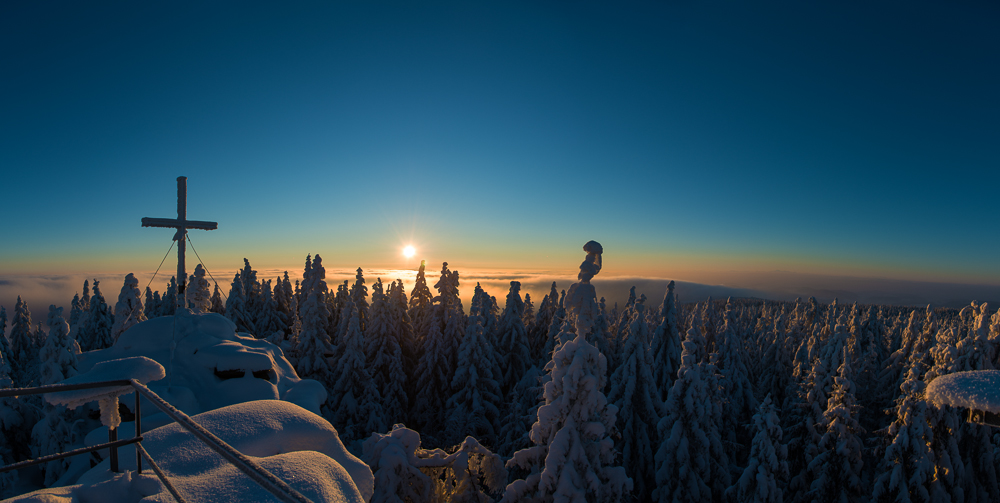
{"x":257,"y":473}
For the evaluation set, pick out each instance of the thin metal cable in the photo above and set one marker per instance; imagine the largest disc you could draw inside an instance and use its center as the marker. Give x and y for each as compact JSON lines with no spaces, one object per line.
{"x":134,"y":308}
{"x":203,"y":265}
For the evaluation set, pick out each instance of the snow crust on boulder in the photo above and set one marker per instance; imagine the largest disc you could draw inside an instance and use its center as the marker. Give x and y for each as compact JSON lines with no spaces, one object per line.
{"x":208,"y":364}
{"x":294,"y":444}
{"x":974,"y":389}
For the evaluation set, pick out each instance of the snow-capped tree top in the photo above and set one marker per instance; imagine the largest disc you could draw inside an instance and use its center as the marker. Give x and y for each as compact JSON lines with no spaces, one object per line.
{"x":592,"y":264}
{"x":581,"y":300}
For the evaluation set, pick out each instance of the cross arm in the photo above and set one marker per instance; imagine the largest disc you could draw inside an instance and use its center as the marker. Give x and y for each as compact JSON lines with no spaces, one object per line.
{"x":174,"y":223}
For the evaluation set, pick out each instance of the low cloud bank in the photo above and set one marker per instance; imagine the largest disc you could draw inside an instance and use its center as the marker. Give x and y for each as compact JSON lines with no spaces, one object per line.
{"x":39,"y":291}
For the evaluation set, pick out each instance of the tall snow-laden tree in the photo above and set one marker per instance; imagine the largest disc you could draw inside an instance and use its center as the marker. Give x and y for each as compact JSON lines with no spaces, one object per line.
{"x":196,"y":293}
{"x":150,"y":308}
{"x":666,"y":346}
{"x":385,"y":357}
{"x":101,"y":320}
{"x":636,"y":395}
{"x":909,"y":466}
{"x":539,"y":335}
{"x":837,"y":467}
{"x":403,"y":328}
{"x":767,"y":469}
{"x":514,"y":352}
{"x":451,"y":316}
{"x":687,"y":461}
{"x":76,"y":313}
{"x":521,"y":412}
{"x":53,"y":433}
{"x":128,"y":309}
{"x":236,"y":306}
{"x":355,"y":408}
{"x":314,"y":342}
{"x":573,"y":455}
{"x":735,"y":380}
{"x":433,"y":381}
{"x":218,"y":306}
{"x":24,"y":353}
{"x":474,"y":405}
{"x":359,"y":295}
{"x":421,"y":301}
{"x":270,"y":322}
{"x":528,"y":315}
{"x":168,"y":302}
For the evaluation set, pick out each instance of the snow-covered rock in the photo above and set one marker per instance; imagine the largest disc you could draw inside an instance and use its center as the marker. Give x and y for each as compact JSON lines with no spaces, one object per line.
{"x":208,"y":364}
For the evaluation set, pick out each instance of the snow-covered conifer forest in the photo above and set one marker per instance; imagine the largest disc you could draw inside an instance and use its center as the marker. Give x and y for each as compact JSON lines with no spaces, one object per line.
{"x":508,"y":400}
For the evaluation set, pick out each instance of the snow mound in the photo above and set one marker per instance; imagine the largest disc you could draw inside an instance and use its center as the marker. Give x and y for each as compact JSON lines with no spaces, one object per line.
{"x":294,"y":444}
{"x":208,"y":364}
{"x":127,"y":487}
{"x":975,"y":389}
{"x":140,"y":368}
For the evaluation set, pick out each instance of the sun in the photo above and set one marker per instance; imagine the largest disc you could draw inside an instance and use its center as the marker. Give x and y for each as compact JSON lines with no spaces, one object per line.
{"x":409,"y":251}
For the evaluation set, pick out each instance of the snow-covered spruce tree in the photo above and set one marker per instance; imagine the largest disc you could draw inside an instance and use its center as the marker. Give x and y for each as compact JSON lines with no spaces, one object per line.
{"x":403,"y":328}
{"x":355,"y":404}
{"x":57,"y":362}
{"x":218,"y":306}
{"x":908,"y":468}
{"x":573,"y":453}
{"x":385,"y":357}
{"x":150,"y":308}
{"x":836,"y":469}
{"x":168,"y":303}
{"x":314,"y":346}
{"x":99,"y":322}
{"x":128,"y":310}
{"x":665,"y":349}
{"x":528,"y":315}
{"x":25,"y":354}
{"x":473,"y":409}
{"x":634,"y":391}
{"x":421,"y":302}
{"x":539,"y":335}
{"x":433,"y":383}
{"x":555,"y":329}
{"x":513,"y":349}
{"x":452,"y":316}
{"x":359,"y":295}
{"x":271,"y":322}
{"x":252,"y":294}
{"x":76,"y":313}
{"x":236,"y":306}
{"x":196,"y":293}
{"x":687,"y":461}
{"x":767,"y":469}
{"x":735,"y":382}
{"x":521,"y":412}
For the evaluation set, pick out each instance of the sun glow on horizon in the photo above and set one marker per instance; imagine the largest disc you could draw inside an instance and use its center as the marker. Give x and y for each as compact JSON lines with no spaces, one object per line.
{"x":409,"y":251}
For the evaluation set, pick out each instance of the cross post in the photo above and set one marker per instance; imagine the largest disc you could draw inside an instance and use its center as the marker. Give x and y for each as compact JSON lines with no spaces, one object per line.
{"x":182,"y":224}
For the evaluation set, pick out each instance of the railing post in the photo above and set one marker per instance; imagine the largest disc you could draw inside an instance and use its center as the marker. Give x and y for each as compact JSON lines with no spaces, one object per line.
{"x":112,"y":436}
{"x":138,"y":433}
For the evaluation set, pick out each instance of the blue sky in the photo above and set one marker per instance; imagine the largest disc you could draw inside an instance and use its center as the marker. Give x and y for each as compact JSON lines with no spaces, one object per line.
{"x":694,"y":141}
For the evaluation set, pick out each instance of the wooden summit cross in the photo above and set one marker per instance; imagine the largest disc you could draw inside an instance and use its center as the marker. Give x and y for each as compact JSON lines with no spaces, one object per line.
{"x":182,"y":224}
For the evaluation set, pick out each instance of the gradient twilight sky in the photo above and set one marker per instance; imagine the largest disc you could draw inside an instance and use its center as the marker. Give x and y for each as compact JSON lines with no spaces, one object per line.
{"x":694,"y":140}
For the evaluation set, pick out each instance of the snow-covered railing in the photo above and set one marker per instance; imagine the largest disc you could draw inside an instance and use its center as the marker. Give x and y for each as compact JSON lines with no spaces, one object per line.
{"x":277,"y":487}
